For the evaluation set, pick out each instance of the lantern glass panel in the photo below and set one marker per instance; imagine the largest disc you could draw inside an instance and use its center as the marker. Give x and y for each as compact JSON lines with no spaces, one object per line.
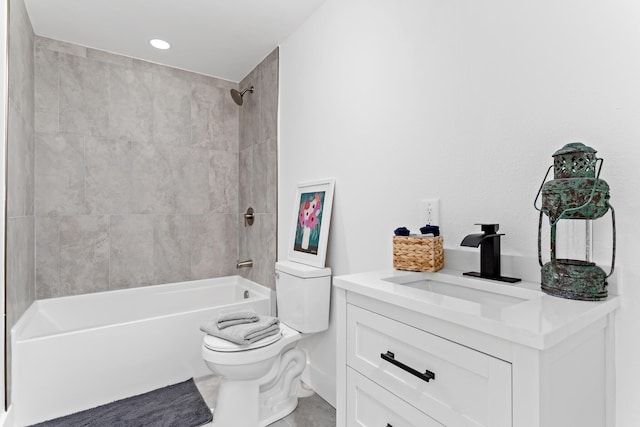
{"x":574,"y":240}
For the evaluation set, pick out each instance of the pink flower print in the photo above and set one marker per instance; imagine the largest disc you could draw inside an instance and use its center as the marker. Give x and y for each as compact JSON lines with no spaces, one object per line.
{"x":305,"y":217}
{"x":301,"y":217}
{"x":306,"y":205}
{"x":313,"y":220}
{"x":318,"y":204}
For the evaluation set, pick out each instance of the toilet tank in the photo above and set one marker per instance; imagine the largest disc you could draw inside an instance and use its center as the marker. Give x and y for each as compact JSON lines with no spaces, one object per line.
{"x":303,"y":296}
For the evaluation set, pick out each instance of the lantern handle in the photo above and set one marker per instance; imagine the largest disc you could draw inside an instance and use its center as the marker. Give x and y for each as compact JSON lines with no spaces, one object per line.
{"x":540,"y":239}
{"x":540,"y":190}
{"x":613,"y":255}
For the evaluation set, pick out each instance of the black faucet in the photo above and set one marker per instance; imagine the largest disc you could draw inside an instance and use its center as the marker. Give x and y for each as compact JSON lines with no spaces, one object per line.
{"x":489,"y":242}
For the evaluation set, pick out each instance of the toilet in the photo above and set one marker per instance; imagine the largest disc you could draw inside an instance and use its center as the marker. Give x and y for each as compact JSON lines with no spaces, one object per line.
{"x":258,"y":383}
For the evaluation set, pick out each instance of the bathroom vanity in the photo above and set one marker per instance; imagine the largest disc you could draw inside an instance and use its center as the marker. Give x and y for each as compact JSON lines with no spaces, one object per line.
{"x":441,"y":349}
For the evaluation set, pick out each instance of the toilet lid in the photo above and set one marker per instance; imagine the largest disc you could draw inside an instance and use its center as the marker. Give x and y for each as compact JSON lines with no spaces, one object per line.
{"x":219,"y":344}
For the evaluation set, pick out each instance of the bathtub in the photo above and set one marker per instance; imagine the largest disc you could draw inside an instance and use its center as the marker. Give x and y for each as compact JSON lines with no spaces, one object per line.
{"x":74,"y":353}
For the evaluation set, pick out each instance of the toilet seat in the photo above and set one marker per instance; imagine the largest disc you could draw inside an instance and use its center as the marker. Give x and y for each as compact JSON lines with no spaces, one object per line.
{"x":219,"y":344}
{"x":243,"y":355}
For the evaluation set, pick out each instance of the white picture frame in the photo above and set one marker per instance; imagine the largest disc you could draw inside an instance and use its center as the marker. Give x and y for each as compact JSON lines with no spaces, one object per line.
{"x":311,"y":222}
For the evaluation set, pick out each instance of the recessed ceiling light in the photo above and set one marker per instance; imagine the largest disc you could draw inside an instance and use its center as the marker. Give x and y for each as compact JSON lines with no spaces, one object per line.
{"x":159,"y":44}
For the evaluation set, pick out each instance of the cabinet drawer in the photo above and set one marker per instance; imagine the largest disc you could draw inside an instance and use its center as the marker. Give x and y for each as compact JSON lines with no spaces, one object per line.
{"x":469,"y":388}
{"x":369,"y":405}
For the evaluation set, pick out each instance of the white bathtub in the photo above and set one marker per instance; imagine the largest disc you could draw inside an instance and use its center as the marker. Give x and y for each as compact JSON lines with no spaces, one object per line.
{"x":77,"y":352}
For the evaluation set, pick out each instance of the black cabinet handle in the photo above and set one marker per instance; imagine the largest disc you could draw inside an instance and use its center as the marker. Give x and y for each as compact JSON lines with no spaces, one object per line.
{"x":389,"y":425}
{"x":390,"y":357}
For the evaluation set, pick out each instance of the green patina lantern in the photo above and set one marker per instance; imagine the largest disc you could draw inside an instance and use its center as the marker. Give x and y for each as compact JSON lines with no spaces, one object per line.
{"x":576,"y":192}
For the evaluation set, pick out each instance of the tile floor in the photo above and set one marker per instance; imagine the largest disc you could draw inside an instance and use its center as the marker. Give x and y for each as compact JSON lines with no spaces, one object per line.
{"x":312,"y":411}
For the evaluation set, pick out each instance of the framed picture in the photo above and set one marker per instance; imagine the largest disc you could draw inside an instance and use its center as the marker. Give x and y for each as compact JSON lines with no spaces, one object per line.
{"x":312,"y":217}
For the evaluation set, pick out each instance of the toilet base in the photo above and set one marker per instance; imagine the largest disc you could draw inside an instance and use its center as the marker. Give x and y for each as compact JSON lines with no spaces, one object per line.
{"x":279,"y":397}
{"x":282,"y":412}
{"x":265,"y":400}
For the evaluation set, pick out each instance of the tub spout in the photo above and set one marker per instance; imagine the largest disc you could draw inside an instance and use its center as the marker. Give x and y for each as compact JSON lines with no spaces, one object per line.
{"x":244,"y":264}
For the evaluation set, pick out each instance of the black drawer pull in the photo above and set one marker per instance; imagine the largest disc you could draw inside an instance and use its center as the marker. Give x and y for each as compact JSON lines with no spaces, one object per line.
{"x":390,"y":357}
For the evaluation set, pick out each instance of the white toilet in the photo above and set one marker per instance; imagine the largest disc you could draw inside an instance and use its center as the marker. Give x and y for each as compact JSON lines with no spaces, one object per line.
{"x":258,"y":382}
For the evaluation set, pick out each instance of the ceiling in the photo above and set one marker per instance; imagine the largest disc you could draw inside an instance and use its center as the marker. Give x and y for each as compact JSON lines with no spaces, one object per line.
{"x":220,"y":38}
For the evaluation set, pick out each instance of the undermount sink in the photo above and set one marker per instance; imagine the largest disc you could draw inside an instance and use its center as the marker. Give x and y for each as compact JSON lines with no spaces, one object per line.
{"x":487,"y":296}
{"x":469,"y":294}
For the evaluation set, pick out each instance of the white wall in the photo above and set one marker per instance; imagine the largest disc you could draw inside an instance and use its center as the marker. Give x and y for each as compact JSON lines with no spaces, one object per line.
{"x":465,"y":101}
{"x":3,"y":145}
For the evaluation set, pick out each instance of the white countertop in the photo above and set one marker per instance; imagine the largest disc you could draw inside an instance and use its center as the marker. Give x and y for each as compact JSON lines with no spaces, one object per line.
{"x":518,"y":312}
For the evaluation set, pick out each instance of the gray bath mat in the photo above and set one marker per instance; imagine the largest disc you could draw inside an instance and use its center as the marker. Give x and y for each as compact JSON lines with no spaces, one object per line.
{"x":178,"y":405}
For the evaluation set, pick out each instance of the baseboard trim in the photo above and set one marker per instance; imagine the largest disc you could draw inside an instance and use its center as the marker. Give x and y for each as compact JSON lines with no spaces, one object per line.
{"x":321,"y":383}
{"x":6,"y":418}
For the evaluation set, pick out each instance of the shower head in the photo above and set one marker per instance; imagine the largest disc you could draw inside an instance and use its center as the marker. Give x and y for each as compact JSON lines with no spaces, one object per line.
{"x":237,"y":95}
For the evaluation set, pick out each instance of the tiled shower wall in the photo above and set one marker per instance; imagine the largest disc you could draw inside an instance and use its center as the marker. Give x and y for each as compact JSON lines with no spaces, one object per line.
{"x":20,"y":291}
{"x":258,"y":169}
{"x":20,"y":278}
{"x":136,"y":177}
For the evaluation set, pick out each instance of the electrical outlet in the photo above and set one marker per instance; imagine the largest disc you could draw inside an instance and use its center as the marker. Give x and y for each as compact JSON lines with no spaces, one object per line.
{"x":429,"y":212}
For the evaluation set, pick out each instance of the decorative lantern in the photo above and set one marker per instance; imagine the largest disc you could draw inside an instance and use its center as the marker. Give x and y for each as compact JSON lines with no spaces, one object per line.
{"x":576,"y":192}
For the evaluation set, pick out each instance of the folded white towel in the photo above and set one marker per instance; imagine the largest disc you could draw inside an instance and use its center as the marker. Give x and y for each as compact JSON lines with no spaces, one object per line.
{"x":236,"y":318}
{"x":245,"y":333}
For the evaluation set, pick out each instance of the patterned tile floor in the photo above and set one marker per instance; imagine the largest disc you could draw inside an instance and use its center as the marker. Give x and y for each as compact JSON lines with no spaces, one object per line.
{"x":312,"y":411}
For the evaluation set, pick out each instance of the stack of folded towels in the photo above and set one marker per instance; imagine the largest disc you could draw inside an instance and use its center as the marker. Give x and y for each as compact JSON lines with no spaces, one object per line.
{"x":242,"y":327}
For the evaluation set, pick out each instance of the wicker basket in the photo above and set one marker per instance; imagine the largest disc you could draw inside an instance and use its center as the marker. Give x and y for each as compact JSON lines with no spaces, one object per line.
{"x":418,"y":253}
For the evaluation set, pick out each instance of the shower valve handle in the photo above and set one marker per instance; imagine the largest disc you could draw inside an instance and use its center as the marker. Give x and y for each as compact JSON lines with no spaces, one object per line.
{"x":249,"y":217}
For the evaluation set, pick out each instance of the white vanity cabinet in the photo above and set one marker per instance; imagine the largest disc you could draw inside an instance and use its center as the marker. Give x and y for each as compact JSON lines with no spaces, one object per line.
{"x":409,"y":357}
